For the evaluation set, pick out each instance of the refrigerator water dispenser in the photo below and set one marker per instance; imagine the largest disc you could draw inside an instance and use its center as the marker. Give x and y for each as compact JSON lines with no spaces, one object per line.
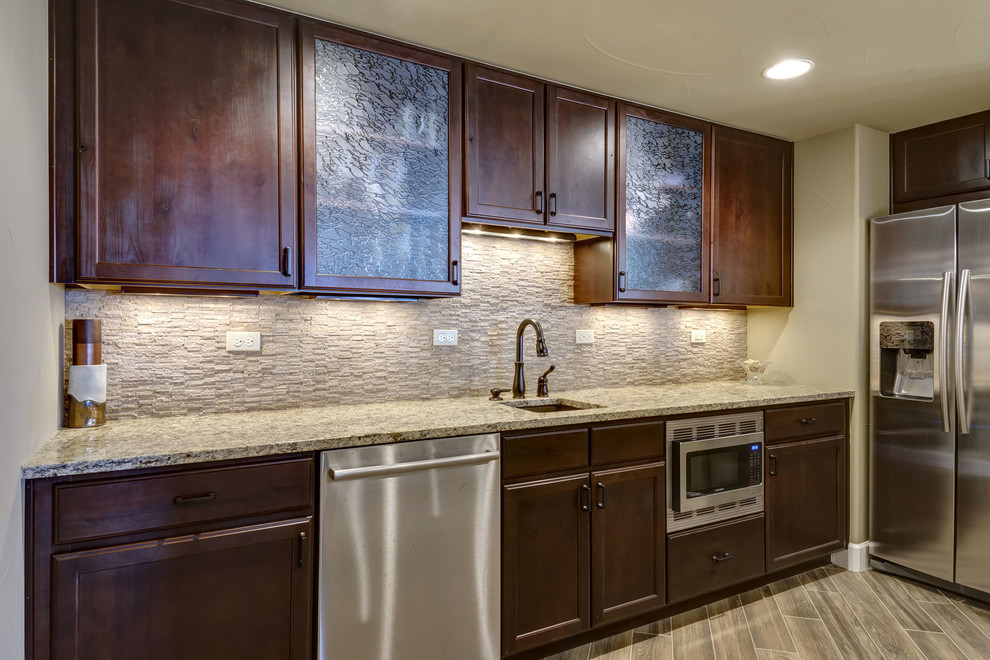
{"x":907,"y":368}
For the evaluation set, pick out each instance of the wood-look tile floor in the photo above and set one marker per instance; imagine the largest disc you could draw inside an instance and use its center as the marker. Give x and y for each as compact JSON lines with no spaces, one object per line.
{"x":825,"y":613}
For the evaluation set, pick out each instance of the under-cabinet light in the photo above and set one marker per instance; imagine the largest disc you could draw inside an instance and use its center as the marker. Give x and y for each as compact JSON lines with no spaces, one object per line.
{"x":524,"y":237}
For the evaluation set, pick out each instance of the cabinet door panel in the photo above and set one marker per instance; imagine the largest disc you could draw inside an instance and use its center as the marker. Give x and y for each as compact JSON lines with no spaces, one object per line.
{"x":381,"y":145}
{"x":751,"y":248}
{"x":505,"y":146}
{"x":627,"y":542}
{"x":545,"y":561}
{"x":805,"y":500}
{"x":580,"y":160}
{"x":238,"y":594}
{"x":663,"y":210}
{"x":186,"y":142}
{"x":941,"y":159}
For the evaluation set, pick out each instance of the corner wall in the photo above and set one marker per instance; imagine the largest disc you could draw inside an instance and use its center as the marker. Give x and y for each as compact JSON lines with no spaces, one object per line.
{"x":840,"y":180}
{"x":30,"y":336}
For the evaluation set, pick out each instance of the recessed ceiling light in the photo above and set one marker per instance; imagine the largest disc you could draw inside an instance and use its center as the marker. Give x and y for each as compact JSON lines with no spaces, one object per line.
{"x":788,"y":69}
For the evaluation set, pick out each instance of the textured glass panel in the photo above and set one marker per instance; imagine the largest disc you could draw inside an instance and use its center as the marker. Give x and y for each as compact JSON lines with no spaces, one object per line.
{"x":664,"y":168}
{"x":381,"y":166}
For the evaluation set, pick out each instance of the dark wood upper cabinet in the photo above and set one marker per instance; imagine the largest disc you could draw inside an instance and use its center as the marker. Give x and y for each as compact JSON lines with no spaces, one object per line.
{"x":381,"y":167}
{"x":538,"y":154}
{"x":661,"y":249}
{"x":752,"y":219}
{"x":940,"y":163}
{"x":185,"y":147}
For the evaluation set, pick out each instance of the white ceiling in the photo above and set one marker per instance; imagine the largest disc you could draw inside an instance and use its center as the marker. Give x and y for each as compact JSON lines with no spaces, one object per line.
{"x":887,"y":64}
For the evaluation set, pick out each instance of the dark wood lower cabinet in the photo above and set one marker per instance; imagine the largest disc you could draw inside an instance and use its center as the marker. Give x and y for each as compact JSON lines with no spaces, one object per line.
{"x":545,"y":561}
{"x":708,"y":558}
{"x":806,"y":500}
{"x":627,"y":530}
{"x":236,"y":593}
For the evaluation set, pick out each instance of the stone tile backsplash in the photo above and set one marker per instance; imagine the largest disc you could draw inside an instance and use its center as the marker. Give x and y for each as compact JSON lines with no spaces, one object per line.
{"x":166,"y":355}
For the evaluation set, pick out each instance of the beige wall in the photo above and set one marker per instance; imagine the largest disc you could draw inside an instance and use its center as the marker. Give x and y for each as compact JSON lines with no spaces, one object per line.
{"x":840,"y":180}
{"x":32,"y":309}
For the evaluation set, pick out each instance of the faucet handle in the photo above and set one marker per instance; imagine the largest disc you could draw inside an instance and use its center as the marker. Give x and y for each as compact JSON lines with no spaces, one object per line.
{"x":542,"y":384}
{"x":496,"y":394}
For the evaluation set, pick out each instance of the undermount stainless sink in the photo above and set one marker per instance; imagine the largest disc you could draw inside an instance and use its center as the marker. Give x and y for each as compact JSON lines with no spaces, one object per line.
{"x":548,"y":405}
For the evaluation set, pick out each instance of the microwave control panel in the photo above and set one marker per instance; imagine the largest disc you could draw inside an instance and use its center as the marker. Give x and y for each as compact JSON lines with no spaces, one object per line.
{"x":755,"y":464}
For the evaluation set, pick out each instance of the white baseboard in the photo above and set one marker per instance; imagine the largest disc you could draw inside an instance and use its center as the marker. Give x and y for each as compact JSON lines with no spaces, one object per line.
{"x":856,"y":557}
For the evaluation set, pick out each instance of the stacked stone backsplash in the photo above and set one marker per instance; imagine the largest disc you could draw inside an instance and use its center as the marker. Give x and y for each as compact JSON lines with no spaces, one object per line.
{"x":166,"y":355}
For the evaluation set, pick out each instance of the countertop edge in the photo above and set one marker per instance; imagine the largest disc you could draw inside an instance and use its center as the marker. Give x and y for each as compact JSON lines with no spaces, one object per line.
{"x":83,"y":465}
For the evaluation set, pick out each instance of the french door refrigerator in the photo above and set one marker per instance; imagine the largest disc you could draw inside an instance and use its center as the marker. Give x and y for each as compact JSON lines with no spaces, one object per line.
{"x":930,"y":393}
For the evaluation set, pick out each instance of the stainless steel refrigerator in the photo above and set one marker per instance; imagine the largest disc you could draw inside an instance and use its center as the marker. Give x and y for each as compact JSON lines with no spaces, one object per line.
{"x":930,"y":393}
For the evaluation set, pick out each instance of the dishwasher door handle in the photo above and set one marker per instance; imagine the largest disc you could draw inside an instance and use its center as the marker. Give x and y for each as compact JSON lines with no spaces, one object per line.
{"x":346,"y":474}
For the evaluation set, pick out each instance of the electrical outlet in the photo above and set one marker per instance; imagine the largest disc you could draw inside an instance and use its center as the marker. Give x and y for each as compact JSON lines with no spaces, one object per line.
{"x":698,"y":337}
{"x":584,"y":336}
{"x":445,"y":337}
{"x":243,"y":342}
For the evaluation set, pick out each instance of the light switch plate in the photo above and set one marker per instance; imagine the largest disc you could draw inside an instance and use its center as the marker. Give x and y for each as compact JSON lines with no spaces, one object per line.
{"x":584,"y":336}
{"x":243,"y":342}
{"x":698,"y":337}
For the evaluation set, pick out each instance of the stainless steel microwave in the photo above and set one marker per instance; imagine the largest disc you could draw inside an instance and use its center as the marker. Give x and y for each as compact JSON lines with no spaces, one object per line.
{"x":713,"y":471}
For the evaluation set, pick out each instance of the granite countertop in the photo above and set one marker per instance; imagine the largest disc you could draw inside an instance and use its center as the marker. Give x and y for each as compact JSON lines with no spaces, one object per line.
{"x":151,"y":442}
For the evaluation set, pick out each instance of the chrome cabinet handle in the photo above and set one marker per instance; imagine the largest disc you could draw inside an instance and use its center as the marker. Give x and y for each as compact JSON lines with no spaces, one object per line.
{"x":717,"y":285}
{"x":601,"y":495}
{"x":585,"y":497}
{"x":539,"y":202}
{"x":553,"y":204}
{"x":945,"y":391}
{"x":455,"y":266}
{"x":622,"y":281}
{"x":303,"y":548}
{"x":725,"y":557}
{"x":963,"y":304}
{"x":773,"y":469}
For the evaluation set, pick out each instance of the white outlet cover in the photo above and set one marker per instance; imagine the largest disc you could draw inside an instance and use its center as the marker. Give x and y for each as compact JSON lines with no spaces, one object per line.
{"x":584,"y":336}
{"x":445,"y":337}
{"x":698,"y":337}
{"x":244,"y":342}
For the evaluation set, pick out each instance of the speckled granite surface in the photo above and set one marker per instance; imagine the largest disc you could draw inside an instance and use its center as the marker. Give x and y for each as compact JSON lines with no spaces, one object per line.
{"x":137,"y":443}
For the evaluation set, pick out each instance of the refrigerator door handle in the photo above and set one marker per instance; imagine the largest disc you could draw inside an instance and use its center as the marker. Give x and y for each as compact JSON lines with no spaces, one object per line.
{"x":943,"y":352}
{"x":963,"y":304}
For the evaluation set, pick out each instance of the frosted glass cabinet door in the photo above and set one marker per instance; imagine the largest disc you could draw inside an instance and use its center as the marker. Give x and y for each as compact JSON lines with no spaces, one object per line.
{"x":381,"y":165}
{"x":664,"y":224}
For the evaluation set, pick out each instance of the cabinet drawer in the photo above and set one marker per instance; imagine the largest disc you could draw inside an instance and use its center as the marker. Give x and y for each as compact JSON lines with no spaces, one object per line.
{"x":627,"y":442}
{"x":534,"y":453}
{"x":136,"y":504}
{"x":692,"y":568}
{"x":805,"y":421}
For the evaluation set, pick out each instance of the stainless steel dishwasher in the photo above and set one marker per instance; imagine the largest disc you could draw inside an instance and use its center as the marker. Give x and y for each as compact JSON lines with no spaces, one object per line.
{"x":409,"y":551}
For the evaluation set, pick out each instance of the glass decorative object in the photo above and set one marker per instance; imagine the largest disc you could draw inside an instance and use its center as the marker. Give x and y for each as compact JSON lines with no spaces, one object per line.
{"x":382,"y":165}
{"x":754,"y":369}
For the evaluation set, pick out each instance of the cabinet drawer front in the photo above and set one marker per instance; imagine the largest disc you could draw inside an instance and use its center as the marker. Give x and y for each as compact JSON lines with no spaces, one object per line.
{"x":805,"y":421}
{"x":123,"y":506}
{"x":627,"y":442}
{"x":697,"y":561}
{"x":544,"y":452}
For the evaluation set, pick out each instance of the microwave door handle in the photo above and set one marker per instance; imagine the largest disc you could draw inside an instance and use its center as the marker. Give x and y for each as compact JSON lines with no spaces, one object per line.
{"x":963,"y":304}
{"x":943,"y":385}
